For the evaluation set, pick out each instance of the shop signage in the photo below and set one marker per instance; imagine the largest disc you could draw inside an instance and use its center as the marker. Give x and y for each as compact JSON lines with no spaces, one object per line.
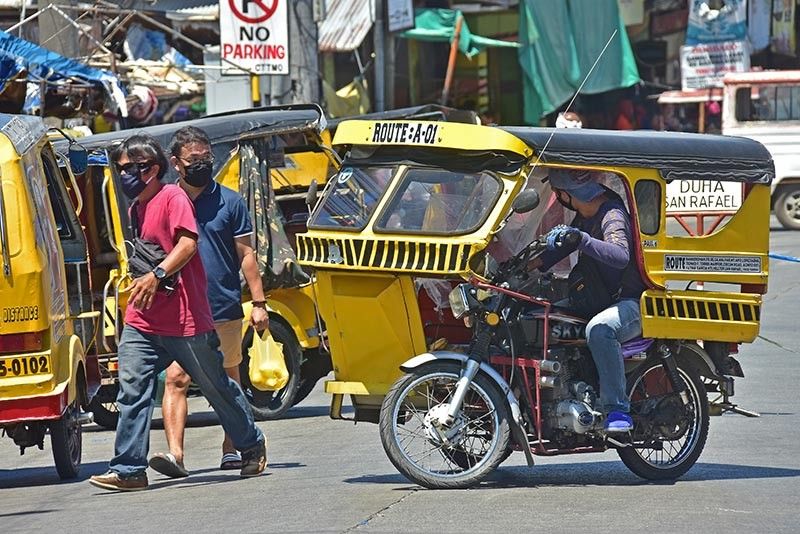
{"x":254,"y":36}
{"x":400,"y":14}
{"x":704,"y":65}
{"x":707,"y":25}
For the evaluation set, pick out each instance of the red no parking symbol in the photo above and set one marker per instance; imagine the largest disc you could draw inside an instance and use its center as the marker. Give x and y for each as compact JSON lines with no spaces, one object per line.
{"x":267,"y":9}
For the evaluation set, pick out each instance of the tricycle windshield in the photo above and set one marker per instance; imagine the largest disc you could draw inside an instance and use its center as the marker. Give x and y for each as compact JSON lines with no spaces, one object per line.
{"x":437,"y":201}
{"x":426,"y":201}
{"x":351,"y":198}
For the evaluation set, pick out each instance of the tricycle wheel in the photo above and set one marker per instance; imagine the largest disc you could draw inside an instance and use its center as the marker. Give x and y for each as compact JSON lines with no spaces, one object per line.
{"x":272,"y":404}
{"x":787,"y":206}
{"x":672,"y":434}
{"x":315,"y":366}
{"x":66,"y":440}
{"x":444,"y":457}
{"x":104,"y":406}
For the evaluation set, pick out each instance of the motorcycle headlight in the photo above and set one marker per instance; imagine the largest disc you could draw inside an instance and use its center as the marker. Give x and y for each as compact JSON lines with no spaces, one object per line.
{"x":459,"y":302}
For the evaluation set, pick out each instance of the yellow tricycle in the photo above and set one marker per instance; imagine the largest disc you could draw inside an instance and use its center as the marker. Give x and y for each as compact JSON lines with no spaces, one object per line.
{"x":253,"y":149}
{"x":440,"y":331}
{"x":48,"y":318}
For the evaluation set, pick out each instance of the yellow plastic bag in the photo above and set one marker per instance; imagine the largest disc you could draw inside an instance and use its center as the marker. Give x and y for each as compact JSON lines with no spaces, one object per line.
{"x":268,"y":370}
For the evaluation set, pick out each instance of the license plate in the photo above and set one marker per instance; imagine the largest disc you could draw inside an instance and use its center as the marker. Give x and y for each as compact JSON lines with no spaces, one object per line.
{"x":38,"y":364}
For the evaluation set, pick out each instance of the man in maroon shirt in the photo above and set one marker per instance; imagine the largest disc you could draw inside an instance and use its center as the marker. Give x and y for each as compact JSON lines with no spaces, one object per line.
{"x":162,"y":326}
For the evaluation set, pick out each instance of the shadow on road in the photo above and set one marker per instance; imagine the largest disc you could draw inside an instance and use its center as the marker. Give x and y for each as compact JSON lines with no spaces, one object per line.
{"x":27,"y":477}
{"x":596,"y":474}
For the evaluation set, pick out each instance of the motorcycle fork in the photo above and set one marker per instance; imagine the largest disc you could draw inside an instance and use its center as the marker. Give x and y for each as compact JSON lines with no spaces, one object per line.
{"x":478,"y":354}
{"x":671,"y":368}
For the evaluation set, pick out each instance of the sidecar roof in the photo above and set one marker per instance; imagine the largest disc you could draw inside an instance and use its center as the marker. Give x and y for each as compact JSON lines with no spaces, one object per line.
{"x":224,"y":130}
{"x":676,"y":155}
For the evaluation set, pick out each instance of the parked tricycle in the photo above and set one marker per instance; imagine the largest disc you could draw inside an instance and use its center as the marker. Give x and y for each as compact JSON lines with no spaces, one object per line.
{"x":249,"y":147}
{"x":48,"y":319}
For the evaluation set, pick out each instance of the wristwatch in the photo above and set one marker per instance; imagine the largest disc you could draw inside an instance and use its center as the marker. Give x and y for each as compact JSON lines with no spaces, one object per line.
{"x":260,"y":304}
{"x":160,"y":273}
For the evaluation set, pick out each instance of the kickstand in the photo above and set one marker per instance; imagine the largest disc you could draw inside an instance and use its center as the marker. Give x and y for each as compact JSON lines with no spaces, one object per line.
{"x":730,"y":407}
{"x":722,"y":404}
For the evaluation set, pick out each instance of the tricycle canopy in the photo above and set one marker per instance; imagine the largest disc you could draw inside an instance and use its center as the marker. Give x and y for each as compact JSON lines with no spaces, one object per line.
{"x":676,"y":155}
{"x":224,"y":130}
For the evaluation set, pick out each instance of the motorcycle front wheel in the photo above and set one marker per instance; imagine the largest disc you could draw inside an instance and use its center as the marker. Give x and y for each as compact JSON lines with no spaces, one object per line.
{"x":444,"y":457}
{"x":671,"y":434}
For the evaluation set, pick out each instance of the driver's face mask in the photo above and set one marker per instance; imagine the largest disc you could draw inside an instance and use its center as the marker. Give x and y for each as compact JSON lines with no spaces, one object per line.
{"x":566,"y":204}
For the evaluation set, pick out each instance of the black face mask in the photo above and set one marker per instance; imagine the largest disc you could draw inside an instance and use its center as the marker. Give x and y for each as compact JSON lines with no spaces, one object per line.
{"x":567,"y":205}
{"x":198,"y":174}
{"x":132,"y":184}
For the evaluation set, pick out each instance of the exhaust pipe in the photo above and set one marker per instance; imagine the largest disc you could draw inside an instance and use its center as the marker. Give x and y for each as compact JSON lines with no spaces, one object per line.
{"x":549,"y":366}
{"x":550,"y":382}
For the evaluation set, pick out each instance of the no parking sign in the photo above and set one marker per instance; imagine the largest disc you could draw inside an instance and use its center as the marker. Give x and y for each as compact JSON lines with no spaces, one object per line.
{"x":254,"y":35}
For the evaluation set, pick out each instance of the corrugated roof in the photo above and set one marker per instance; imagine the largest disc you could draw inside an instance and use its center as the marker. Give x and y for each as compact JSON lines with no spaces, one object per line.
{"x":346,"y":24}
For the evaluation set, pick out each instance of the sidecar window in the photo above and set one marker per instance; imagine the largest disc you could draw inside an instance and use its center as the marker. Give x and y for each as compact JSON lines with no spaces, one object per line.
{"x":351,"y":198}
{"x":437,"y":201}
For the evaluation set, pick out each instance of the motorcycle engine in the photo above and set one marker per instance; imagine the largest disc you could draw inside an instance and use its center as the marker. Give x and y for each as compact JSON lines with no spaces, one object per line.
{"x":568,"y":402}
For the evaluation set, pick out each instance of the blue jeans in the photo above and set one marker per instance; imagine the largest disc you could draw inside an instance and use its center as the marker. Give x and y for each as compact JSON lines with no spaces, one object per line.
{"x":616,"y":324}
{"x":142,"y":357}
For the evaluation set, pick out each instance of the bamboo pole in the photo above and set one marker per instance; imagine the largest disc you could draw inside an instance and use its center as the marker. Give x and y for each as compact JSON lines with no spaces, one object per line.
{"x":451,"y":62}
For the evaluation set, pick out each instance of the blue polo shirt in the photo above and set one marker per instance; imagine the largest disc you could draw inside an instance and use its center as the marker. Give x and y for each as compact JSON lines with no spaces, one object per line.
{"x":222,"y":216}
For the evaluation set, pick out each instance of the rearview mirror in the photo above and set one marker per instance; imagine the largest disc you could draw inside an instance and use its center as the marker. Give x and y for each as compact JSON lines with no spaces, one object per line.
{"x":311,"y":196}
{"x":526,"y":201}
{"x":78,"y":158}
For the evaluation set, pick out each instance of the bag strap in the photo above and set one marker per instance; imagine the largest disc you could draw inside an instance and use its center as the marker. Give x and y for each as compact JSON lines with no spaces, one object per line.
{"x":134,"y":217}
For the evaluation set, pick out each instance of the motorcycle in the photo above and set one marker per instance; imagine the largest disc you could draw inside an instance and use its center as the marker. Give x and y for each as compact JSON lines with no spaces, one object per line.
{"x":527,"y":381}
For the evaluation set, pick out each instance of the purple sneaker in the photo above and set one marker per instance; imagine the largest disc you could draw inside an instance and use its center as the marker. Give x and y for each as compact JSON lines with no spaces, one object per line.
{"x":618,"y":422}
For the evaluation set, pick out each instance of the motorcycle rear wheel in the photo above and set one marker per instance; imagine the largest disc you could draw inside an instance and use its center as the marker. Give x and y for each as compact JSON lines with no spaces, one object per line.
{"x":479,"y":438}
{"x":682,"y":435}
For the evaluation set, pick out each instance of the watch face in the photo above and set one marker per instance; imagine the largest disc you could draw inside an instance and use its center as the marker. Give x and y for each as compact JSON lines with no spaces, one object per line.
{"x":159,"y":272}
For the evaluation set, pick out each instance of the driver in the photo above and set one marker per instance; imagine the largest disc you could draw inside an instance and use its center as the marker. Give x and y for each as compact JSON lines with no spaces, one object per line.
{"x":605,"y":284}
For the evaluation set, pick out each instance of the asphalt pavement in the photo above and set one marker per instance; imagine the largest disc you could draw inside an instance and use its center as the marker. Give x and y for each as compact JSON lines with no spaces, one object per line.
{"x":332,"y":476}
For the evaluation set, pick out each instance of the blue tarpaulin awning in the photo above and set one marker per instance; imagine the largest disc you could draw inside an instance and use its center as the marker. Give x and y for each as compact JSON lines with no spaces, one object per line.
{"x":18,"y":56}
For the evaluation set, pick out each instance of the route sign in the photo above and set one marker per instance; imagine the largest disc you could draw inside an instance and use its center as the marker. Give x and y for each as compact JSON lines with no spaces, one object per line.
{"x":703,"y":196}
{"x":254,"y":35}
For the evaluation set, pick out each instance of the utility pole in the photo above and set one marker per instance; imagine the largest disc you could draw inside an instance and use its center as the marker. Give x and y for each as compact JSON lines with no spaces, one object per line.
{"x":302,"y":84}
{"x":379,"y":43}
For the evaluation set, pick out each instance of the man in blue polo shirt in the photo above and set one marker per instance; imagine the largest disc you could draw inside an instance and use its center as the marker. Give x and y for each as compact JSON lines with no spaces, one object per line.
{"x":225,"y":247}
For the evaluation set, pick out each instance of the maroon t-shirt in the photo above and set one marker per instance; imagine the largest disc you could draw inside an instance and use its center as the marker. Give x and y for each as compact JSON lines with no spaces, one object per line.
{"x":185,"y":312}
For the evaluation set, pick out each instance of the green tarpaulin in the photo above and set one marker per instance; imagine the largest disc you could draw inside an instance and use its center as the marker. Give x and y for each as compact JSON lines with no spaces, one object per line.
{"x":438,"y":25}
{"x":560,"y":42}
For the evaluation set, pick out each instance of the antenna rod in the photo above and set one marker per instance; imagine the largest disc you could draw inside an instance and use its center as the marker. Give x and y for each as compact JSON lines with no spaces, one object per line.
{"x":591,"y":70}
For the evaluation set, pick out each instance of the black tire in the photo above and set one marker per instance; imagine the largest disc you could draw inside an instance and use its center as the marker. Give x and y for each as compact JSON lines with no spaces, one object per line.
{"x":273,"y":404}
{"x":483,"y":398}
{"x":787,"y":206}
{"x":682,"y":430}
{"x":104,"y":406}
{"x":66,"y":440}
{"x":315,"y":366}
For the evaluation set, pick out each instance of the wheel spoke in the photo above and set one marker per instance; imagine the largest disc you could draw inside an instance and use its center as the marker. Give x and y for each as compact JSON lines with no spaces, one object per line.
{"x":653,"y":390}
{"x":470,"y":440}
